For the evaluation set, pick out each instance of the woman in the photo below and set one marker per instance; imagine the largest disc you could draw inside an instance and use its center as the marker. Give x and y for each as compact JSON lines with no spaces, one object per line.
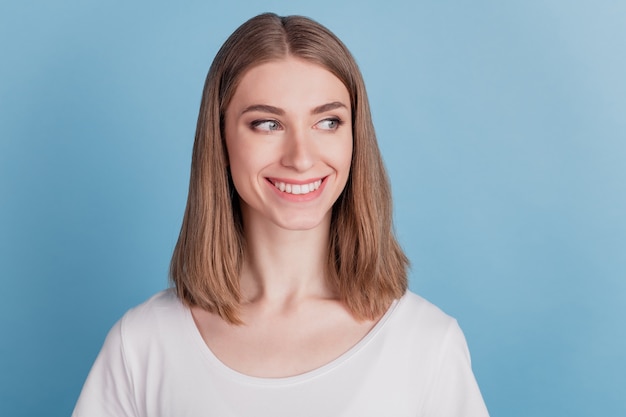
{"x":290,"y":289}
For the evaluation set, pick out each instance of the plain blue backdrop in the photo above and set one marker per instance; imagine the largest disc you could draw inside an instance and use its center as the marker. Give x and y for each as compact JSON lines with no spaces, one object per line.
{"x":502,"y":125}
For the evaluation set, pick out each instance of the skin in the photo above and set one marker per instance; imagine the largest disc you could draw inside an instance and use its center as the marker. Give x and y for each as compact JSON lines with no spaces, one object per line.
{"x":289,"y":122}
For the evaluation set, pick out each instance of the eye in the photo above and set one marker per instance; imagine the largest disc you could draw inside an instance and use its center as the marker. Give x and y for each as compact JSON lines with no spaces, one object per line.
{"x":265,"y":125}
{"x":332,"y":123}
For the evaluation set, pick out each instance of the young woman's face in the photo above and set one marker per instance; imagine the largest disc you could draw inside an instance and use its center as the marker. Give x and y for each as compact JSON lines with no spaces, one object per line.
{"x":288,"y":134}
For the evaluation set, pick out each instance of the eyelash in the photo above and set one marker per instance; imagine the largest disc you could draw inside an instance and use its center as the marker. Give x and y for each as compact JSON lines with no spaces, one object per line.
{"x":335,"y":120}
{"x":256,"y":123}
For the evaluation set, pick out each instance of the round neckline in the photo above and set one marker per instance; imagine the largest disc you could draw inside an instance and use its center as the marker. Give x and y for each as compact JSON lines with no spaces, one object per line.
{"x":233,"y":374}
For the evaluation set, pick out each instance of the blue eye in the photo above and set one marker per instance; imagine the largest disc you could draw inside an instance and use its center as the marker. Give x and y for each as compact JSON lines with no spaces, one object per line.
{"x":329,"y":124}
{"x":265,"y":125}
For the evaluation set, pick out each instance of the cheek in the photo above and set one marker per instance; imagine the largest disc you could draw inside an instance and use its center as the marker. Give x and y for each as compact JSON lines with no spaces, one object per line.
{"x":240,"y":177}
{"x":235,"y":151}
{"x":240,"y":168}
{"x":236,"y":164}
{"x":246,"y":164}
{"x":248,"y":158}
{"x":343,"y":154}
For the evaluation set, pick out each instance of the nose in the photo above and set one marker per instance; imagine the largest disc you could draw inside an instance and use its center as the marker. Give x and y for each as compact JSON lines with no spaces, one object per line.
{"x":298,"y":151}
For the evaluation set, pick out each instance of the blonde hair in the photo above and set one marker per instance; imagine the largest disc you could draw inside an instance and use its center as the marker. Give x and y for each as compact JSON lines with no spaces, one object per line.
{"x":366,"y":265}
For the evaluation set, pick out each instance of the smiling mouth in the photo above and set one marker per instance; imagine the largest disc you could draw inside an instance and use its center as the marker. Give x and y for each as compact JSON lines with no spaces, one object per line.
{"x":296,"y":189}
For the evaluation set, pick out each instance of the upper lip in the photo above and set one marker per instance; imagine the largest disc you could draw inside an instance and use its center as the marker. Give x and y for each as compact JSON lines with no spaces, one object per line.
{"x":274,"y":180}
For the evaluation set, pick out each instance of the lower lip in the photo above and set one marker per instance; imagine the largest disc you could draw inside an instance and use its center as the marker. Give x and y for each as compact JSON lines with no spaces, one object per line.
{"x":299,"y":198}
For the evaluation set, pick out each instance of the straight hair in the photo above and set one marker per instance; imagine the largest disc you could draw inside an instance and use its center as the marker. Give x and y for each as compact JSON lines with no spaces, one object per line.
{"x":366,"y":266}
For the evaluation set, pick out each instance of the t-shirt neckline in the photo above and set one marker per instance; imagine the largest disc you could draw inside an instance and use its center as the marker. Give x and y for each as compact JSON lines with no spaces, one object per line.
{"x":216,"y":364}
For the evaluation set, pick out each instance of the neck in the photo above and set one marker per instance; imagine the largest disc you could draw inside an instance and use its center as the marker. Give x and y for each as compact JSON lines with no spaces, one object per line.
{"x":284,"y":266}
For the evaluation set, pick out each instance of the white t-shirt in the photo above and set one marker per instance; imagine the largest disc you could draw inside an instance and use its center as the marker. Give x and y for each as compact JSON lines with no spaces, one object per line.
{"x":154,"y":363}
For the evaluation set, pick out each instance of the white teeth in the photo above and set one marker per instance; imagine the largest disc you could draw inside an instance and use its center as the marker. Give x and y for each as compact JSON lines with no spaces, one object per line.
{"x":297,"y":188}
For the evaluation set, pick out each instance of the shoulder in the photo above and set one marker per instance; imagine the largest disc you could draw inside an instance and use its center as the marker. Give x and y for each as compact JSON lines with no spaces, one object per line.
{"x":159,"y":306}
{"x":417,"y":306}
{"x":423,"y":325}
{"x":415,"y":311}
{"x":148,"y":324}
{"x":440,"y":355}
{"x":134,"y":352}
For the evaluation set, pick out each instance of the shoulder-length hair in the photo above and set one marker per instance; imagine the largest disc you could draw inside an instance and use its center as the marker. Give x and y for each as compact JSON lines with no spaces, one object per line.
{"x":366,"y":266}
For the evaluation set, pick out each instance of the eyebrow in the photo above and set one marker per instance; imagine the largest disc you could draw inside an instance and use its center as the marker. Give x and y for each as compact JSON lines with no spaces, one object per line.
{"x":265,"y":108}
{"x":328,"y":107}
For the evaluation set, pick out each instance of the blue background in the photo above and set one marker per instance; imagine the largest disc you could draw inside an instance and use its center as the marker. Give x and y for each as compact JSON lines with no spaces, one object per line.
{"x":502,"y":125}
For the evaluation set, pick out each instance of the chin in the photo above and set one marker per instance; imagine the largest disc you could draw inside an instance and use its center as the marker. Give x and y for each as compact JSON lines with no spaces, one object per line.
{"x":303,"y":222}
{"x":300,"y":226}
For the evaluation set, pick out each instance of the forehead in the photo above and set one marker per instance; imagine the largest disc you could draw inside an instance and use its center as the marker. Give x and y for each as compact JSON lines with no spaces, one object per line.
{"x":289,"y":83}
